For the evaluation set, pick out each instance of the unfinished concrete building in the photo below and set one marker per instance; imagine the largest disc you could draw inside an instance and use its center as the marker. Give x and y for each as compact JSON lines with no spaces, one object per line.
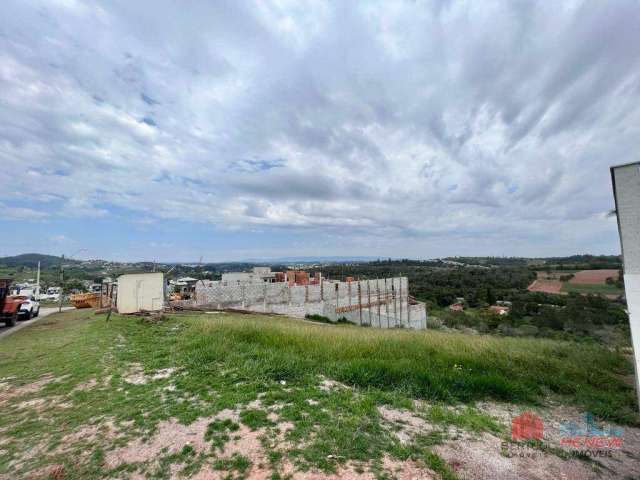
{"x":257,"y":275}
{"x":383,"y":303}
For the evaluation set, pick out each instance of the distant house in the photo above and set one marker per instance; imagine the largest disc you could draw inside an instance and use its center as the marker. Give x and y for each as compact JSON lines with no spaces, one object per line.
{"x":499,"y":309}
{"x":456,"y":307}
{"x":257,"y":275}
{"x":184,"y":287}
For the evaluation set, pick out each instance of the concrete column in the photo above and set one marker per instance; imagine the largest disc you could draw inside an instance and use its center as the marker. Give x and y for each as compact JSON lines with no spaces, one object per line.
{"x":386,"y":301}
{"x":400,"y":295}
{"x":369,"y":301}
{"x":264,"y":298}
{"x":360,"y":300}
{"x":395,"y":305}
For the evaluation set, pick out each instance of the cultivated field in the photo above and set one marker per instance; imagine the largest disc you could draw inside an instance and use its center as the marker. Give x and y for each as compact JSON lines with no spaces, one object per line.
{"x":545,"y":283}
{"x":594,"y":277}
{"x":583,"y":281}
{"x":213,"y":396}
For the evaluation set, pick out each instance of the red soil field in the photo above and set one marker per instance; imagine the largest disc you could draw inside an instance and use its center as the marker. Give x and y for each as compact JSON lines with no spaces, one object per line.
{"x":547,"y":286}
{"x":593,"y":277}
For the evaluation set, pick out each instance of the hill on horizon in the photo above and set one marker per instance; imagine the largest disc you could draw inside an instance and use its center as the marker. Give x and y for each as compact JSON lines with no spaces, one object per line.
{"x":31,"y":260}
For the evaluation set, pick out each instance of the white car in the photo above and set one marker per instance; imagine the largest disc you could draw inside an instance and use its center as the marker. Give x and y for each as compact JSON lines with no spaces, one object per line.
{"x":30,"y":308}
{"x":52,"y":293}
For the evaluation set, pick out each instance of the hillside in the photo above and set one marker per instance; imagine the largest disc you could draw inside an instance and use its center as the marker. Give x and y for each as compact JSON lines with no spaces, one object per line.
{"x":30,"y":260}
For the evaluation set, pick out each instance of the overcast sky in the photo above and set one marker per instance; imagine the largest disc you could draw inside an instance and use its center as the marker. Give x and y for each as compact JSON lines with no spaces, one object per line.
{"x":171,"y":130}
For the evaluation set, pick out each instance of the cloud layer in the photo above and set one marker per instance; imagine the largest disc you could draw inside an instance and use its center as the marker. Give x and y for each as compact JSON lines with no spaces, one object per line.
{"x":401,"y":128}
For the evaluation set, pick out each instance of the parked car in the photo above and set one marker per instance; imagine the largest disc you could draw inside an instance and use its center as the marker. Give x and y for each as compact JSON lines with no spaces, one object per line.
{"x":52,"y":294}
{"x":29,"y":308}
{"x":29,"y":295}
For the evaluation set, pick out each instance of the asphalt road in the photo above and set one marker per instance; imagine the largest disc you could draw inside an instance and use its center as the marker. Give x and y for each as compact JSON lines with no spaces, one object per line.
{"x":44,"y":311}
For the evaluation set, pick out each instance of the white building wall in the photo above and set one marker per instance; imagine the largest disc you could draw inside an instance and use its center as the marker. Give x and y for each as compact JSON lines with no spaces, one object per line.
{"x":626,"y":185}
{"x":140,"y":291}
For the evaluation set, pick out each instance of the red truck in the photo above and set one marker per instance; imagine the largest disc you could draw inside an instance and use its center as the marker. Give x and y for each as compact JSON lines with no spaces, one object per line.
{"x":9,"y":306}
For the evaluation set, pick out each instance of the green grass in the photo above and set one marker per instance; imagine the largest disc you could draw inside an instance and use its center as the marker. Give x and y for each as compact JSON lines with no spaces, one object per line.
{"x":261,"y":365}
{"x":432,"y":365}
{"x":601,"y":289}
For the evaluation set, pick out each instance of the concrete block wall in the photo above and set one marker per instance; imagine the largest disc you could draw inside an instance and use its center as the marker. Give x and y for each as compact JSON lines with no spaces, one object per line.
{"x":384,"y":301}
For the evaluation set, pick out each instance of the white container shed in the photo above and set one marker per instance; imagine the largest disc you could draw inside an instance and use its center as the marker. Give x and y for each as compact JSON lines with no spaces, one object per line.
{"x":140,"y":291}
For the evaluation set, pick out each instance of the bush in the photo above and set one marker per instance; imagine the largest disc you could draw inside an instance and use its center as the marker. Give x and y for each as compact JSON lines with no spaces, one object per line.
{"x":527,"y":330}
{"x":434,"y":322}
{"x":318,"y":318}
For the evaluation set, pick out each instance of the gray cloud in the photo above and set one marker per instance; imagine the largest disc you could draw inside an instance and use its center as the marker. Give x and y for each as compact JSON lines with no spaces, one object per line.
{"x":404,"y":120}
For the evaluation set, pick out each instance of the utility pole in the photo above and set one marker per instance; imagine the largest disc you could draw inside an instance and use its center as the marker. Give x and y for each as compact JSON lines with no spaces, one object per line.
{"x":61,"y":284}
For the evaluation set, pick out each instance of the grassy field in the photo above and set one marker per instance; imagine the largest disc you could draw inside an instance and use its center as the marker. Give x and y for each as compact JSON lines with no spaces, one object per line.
{"x":80,"y":392}
{"x":602,"y":289}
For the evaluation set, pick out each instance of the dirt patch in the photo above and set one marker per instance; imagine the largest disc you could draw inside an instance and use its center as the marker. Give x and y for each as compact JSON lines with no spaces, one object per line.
{"x":546,"y":286}
{"x":485,"y":459}
{"x":391,"y":468}
{"x":105,"y":431}
{"x":326,"y":384}
{"x":594,"y":277}
{"x":12,"y":391}
{"x":170,"y":435}
{"x":50,"y":472}
{"x":405,"y":423}
{"x":407,"y":470}
{"x":35,"y":403}
{"x":247,"y":443}
{"x":615,"y":463}
{"x":164,"y":373}
{"x":88,"y":385}
{"x":135,"y":375}
{"x":35,"y":450}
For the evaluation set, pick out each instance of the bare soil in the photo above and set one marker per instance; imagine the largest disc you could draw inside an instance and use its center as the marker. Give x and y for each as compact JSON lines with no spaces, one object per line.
{"x":546,"y":286}
{"x":470,"y":456}
{"x":594,"y":277}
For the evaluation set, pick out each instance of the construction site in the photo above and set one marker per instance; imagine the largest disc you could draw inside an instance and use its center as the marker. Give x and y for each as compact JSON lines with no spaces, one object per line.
{"x":382,"y":303}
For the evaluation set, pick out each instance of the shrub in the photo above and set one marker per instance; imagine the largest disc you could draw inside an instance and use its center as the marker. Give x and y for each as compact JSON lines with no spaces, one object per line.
{"x":318,"y":318}
{"x":434,"y":322}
